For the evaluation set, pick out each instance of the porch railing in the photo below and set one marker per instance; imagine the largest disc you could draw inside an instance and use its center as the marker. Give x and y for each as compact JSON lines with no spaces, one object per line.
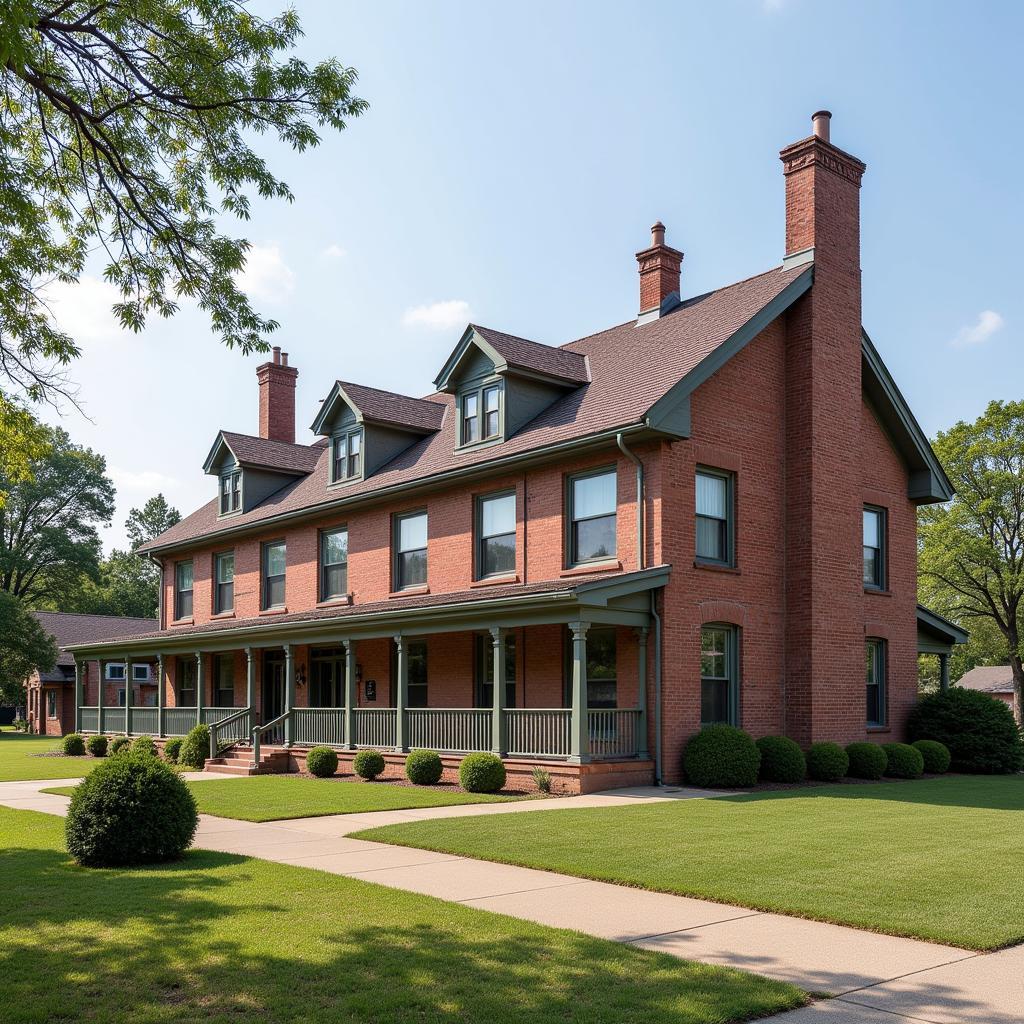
{"x":614,"y":733}
{"x":538,"y":732}
{"x":145,"y":721}
{"x":269,"y":730}
{"x":213,"y":715}
{"x":450,"y":729}
{"x":315,"y":726}
{"x":229,"y":730}
{"x":112,"y":720}
{"x":89,"y":719}
{"x":374,"y":727}
{"x":178,"y":721}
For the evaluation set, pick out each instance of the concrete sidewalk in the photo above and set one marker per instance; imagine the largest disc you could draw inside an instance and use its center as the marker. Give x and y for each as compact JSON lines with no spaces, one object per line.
{"x":875,"y":979}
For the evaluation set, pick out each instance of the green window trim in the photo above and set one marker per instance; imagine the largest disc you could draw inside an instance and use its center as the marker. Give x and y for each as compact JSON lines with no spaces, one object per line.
{"x":334,"y":563}
{"x":495,"y":536}
{"x":719,"y":674}
{"x":481,"y":413}
{"x":410,"y":561}
{"x":230,"y":492}
{"x":223,"y":582}
{"x":183,"y":586}
{"x":347,"y":456}
{"x":715,"y":517}
{"x":591,"y":531}
{"x":875,"y":677}
{"x":875,"y":537}
{"x":273,"y":583}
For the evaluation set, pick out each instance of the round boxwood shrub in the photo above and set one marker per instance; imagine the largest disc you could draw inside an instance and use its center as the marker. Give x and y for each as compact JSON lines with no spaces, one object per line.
{"x":867,"y":760}
{"x":368,"y":764}
{"x":978,"y":730}
{"x":172,"y":748}
{"x":130,"y":810}
{"x":144,"y":745}
{"x":73,"y":745}
{"x":195,"y":748}
{"x":423,"y":767}
{"x":936,"y":756}
{"x":827,"y":762}
{"x":119,"y":744}
{"x":782,"y":760}
{"x":97,"y":746}
{"x":721,"y":755}
{"x":322,"y":762}
{"x":481,"y":773}
{"x":905,"y":761}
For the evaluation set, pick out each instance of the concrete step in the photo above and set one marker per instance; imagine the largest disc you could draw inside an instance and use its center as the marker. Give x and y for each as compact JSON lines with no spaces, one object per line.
{"x":231,"y":769}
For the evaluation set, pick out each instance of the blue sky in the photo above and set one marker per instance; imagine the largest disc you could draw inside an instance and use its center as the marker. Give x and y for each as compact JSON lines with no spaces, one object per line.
{"x":512,"y":161}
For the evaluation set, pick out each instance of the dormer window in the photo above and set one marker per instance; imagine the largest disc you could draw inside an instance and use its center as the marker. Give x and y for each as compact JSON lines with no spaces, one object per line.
{"x":481,"y":414}
{"x":347,"y":463}
{"x":230,"y":492}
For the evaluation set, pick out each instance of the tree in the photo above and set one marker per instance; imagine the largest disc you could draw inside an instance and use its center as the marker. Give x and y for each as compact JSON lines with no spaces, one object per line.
{"x":22,"y":442}
{"x":972,"y":548}
{"x":48,"y":528}
{"x":147,"y":523}
{"x":24,"y":646}
{"x":125,"y":129}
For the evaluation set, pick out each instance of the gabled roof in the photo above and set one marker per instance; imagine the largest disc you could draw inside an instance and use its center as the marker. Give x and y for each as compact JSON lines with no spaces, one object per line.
{"x":68,"y":628}
{"x":988,"y":679}
{"x":516,"y":355}
{"x":932,"y":626}
{"x":262,"y":453}
{"x":371,"y":405}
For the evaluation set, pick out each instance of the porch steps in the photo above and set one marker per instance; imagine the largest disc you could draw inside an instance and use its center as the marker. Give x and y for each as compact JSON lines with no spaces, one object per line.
{"x":238,"y":761}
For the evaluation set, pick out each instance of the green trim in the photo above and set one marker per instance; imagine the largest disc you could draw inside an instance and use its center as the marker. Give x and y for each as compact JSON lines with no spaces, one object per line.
{"x":396,"y":569}
{"x":265,"y":546}
{"x":946,"y":632}
{"x":346,"y":434}
{"x":568,"y":520}
{"x":478,"y":530}
{"x":883,"y":547}
{"x":732,"y":668}
{"x":730,"y":517}
{"x":879,"y":659}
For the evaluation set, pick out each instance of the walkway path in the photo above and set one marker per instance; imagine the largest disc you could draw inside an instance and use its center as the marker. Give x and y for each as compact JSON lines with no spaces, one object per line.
{"x":874,"y":979}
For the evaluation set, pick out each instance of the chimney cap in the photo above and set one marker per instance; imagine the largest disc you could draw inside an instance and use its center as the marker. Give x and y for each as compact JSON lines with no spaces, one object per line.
{"x":277,"y":354}
{"x":657,"y":233}
{"x":820,"y":121}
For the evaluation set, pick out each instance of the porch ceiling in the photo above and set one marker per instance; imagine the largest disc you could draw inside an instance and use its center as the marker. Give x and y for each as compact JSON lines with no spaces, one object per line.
{"x":610,"y":599}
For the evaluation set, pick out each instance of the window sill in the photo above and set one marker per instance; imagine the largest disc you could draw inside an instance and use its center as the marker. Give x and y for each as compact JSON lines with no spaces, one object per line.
{"x":409,"y":592}
{"x":877,"y":592}
{"x":183,"y":622}
{"x":879,"y":729}
{"x":223,"y":615}
{"x":345,"y":481}
{"x":590,"y":567}
{"x":730,"y":570}
{"x":334,"y":602}
{"x":497,"y":581}
{"x":274,"y":611}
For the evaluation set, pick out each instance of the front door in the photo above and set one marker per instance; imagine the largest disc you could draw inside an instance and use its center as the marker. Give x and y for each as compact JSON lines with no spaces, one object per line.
{"x":327,"y":678}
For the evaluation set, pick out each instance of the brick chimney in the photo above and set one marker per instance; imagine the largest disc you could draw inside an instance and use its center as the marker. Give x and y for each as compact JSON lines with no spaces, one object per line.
{"x":825,"y":594}
{"x":659,"y":272}
{"x":277,"y":398}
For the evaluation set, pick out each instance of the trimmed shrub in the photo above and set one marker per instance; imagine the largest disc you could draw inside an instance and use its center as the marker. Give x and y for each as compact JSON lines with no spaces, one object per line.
{"x":119,"y":744}
{"x":144,"y":745}
{"x":481,"y":773}
{"x":97,"y":746}
{"x":172,"y":748}
{"x":721,"y":755}
{"x":905,"y":761}
{"x":322,"y":762}
{"x":827,"y":762}
{"x":73,"y":745}
{"x":130,"y":810}
{"x":936,"y":756}
{"x":782,"y":760}
{"x":195,"y":748}
{"x":423,"y":767}
{"x":978,"y":730}
{"x":867,"y":760}
{"x":368,"y":764}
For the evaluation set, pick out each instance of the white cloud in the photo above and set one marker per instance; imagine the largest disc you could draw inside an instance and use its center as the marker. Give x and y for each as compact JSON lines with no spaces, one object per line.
{"x":83,"y":309}
{"x":266,"y":277}
{"x":334,"y":252}
{"x":147,"y":481}
{"x":987,"y":324}
{"x":438,"y":316}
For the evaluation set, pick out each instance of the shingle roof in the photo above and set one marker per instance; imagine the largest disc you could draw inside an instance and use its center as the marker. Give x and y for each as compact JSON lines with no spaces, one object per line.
{"x":631,"y":367}
{"x":390,"y":407}
{"x":69,"y":628}
{"x":523,"y":354}
{"x":267,"y":454}
{"x":988,"y":678}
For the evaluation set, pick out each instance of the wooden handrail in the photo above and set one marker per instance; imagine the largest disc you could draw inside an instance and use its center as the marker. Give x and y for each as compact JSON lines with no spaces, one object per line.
{"x":259,"y":729}
{"x":215,"y":727}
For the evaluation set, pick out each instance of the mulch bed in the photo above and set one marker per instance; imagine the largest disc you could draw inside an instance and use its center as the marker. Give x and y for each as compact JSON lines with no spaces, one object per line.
{"x":443,"y":787}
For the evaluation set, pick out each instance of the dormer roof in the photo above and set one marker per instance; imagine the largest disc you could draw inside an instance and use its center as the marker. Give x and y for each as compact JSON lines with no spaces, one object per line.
{"x":262,"y":453}
{"x":388,"y":408}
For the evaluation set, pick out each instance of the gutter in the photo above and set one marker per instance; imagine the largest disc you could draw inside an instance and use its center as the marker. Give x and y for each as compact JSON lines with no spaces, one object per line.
{"x":641,"y":512}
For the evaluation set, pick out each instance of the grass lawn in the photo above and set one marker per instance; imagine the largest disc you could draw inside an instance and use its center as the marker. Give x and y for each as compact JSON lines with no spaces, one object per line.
{"x":273,"y":797}
{"x":218,"y":938}
{"x":18,"y":760}
{"x":931,"y":859}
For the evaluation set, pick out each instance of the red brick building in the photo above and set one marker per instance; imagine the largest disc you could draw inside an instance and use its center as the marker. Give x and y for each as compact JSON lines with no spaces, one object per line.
{"x":704,"y":514}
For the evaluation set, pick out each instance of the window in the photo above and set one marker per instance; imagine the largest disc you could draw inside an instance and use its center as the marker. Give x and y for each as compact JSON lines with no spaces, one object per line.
{"x":120,"y":697}
{"x":186,"y":683}
{"x":874,"y":656}
{"x":274,"y":558}
{"x":496,"y":533}
{"x":230,"y":492}
{"x":51,"y":703}
{"x":224,"y":681}
{"x":481,"y":414}
{"x":224,"y":588}
{"x":416,"y":660}
{"x":333,"y":564}
{"x":140,"y":673}
{"x":602,"y":668}
{"x":348,"y":450}
{"x":719,"y":676}
{"x":114,"y":671}
{"x":485,"y":671}
{"x":714,"y":517}
{"x":411,"y":550}
{"x":874,"y":548}
{"x":183,"y":590}
{"x":592,"y":506}
{"x":327,"y":678}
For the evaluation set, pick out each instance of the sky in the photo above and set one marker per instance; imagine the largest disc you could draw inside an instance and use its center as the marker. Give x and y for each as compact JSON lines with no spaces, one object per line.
{"x":511,"y":163}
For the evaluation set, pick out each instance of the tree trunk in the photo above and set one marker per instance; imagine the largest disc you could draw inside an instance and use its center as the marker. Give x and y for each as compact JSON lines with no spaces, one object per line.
{"x":1018,"y":688}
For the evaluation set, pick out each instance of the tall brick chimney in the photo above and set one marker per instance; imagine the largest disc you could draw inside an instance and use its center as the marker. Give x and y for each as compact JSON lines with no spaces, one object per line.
{"x":277,"y":398}
{"x":825,"y":595}
{"x":659,"y":272}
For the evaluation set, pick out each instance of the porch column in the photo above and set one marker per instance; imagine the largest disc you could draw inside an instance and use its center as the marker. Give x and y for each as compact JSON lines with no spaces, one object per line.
{"x":349,"y":733}
{"x":579,"y":737}
{"x":128,"y":696}
{"x":943,"y":671}
{"x":78,"y":696}
{"x":200,"y":684}
{"x":289,"y":692}
{"x":250,"y":683}
{"x":161,"y":697}
{"x":99,"y":696}
{"x":641,"y":671}
{"x":499,"y":738}
{"x":401,"y":692}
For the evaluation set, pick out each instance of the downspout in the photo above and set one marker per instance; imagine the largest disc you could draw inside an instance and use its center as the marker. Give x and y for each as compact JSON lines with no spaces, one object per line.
{"x":640,"y":511}
{"x":657,"y":687}
{"x":160,"y":591}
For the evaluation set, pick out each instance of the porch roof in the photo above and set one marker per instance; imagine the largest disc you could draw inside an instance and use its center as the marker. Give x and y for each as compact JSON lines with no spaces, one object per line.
{"x":620,"y":598}
{"x":937,"y":635}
